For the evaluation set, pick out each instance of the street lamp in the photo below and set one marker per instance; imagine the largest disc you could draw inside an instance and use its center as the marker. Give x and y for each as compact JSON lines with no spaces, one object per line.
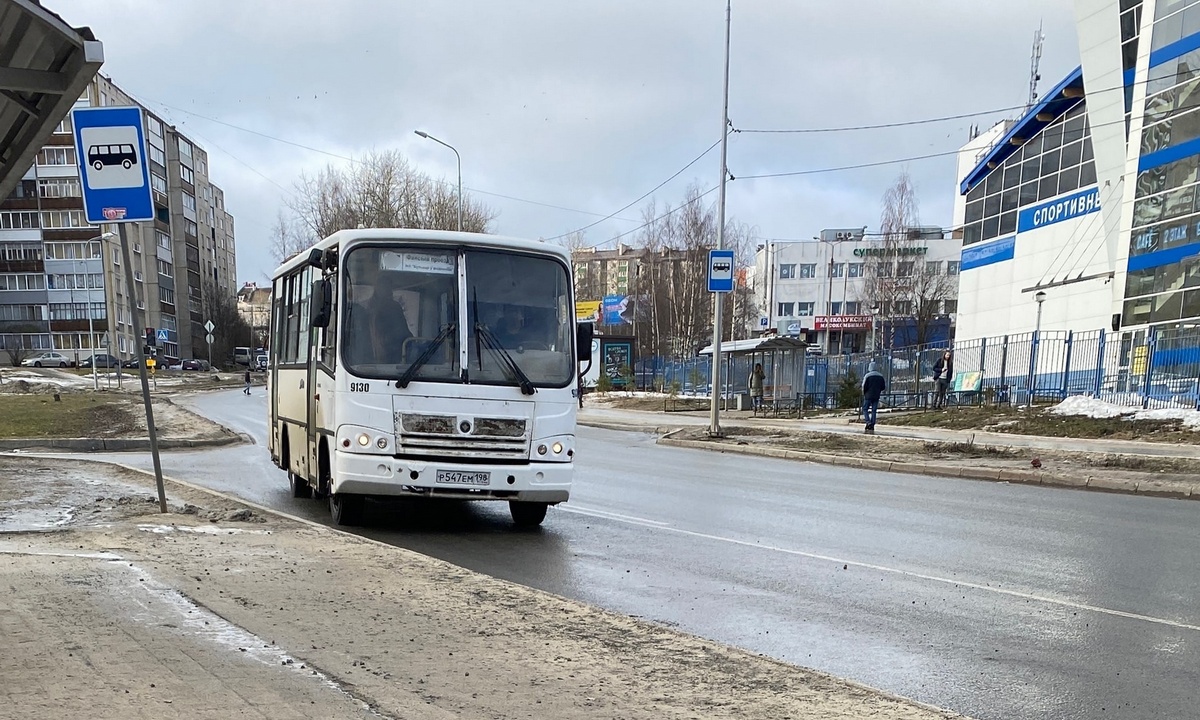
{"x":874,"y":313}
{"x":427,"y":136}
{"x":1041,"y":298}
{"x":91,"y":324}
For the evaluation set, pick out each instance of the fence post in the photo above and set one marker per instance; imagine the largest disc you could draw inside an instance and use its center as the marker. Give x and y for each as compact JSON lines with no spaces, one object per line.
{"x":1033,"y":359}
{"x":1100,"y":364}
{"x":1151,"y":344}
{"x":1067,"y":366}
{"x":1004,"y":368}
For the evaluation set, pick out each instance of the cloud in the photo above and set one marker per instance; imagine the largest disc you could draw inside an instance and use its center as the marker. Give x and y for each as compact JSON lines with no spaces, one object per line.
{"x":581,"y":105}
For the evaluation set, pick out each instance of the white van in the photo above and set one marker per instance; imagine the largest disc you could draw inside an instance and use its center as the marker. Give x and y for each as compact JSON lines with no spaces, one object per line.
{"x":242,"y":356}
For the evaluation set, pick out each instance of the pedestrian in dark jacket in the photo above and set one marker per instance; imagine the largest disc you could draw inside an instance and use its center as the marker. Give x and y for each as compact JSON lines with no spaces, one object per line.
{"x":943,"y":375}
{"x":247,"y":390}
{"x":873,"y":386}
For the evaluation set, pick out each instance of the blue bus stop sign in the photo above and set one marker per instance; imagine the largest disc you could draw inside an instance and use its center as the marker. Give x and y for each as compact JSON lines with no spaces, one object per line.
{"x":720,"y":271}
{"x":113,"y":167}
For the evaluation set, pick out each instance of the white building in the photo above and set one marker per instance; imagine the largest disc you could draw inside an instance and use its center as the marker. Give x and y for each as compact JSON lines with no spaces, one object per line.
{"x":1090,"y":197}
{"x":816,"y":290}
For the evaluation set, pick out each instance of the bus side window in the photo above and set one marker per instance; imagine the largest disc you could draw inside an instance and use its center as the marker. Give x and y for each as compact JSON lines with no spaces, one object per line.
{"x":329,"y":332}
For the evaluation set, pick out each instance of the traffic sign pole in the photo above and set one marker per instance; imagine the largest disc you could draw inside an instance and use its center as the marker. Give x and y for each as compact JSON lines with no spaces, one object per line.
{"x":115,"y":183}
{"x":208,"y":338}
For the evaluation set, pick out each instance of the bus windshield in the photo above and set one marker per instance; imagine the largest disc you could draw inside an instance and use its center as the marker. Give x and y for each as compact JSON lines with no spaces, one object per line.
{"x":402,"y":309}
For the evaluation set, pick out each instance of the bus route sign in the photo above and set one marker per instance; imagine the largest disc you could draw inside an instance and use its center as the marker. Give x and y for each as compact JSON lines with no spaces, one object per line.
{"x":114,"y":171}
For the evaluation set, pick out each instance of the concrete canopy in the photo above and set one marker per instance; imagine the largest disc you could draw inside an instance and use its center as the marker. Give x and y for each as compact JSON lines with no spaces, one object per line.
{"x":45,"y":66}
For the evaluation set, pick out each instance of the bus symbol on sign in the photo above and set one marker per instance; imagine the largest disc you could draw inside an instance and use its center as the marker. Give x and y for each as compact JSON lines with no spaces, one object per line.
{"x":123,"y":155}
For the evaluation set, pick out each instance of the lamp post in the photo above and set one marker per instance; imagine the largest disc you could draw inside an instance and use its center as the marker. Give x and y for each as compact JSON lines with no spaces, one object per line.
{"x":91,"y":326}
{"x":874,"y":313}
{"x":458,"y":157}
{"x":1040,"y":297}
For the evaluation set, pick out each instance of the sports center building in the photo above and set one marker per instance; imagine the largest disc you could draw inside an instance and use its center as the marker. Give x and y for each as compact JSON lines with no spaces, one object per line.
{"x":1089,"y":201}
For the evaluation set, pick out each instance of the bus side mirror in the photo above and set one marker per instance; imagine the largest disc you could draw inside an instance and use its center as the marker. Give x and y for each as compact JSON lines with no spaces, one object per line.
{"x":583,"y":341}
{"x":322,"y":303}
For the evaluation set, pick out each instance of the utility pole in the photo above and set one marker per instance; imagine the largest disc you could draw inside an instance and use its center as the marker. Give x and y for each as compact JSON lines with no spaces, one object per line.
{"x":714,"y":429}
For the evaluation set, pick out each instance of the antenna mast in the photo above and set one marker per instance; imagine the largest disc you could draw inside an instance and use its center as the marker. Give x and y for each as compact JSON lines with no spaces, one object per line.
{"x":1034,"y":63}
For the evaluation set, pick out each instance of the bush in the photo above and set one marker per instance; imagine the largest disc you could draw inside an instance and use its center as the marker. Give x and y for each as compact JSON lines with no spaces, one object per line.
{"x":849,"y":394}
{"x":604,"y":383}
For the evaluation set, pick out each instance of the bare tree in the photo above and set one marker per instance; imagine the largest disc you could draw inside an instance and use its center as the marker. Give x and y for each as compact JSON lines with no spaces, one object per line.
{"x":380,"y":190}
{"x":906,"y":290}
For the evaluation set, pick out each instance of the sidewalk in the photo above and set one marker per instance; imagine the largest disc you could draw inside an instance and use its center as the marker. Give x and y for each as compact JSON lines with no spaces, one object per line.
{"x":645,"y":421}
{"x":222,"y":610}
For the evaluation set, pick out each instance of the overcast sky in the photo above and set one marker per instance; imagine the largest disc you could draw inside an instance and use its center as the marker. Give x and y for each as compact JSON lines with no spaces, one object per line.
{"x":580,"y":105}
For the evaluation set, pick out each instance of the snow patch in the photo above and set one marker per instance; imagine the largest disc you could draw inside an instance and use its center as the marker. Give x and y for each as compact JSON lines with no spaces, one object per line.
{"x":1081,"y":405}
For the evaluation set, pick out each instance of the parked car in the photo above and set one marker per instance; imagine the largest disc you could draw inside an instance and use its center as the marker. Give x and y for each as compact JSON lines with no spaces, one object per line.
{"x":260,"y":362}
{"x":48,"y":359}
{"x":195,"y":364}
{"x":132,"y":364}
{"x":100,"y":361}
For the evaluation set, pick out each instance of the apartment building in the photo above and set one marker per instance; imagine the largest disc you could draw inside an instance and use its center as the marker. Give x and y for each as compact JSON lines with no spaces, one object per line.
{"x":62,"y":285}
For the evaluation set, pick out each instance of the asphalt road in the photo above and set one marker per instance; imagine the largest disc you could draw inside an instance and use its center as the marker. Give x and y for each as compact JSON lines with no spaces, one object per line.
{"x":997,"y":601}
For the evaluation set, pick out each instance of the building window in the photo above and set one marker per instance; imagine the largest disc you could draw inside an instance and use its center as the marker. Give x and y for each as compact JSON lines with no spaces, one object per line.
{"x":13,"y":313}
{"x":64,"y":219}
{"x":904,"y":268}
{"x":22,"y":251}
{"x":185,"y":149}
{"x":158,"y":182}
{"x":855,"y":270}
{"x":951,"y":267}
{"x":59,"y":188}
{"x":786,"y":309}
{"x":884,"y":269}
{"x":185,"y":174}
{"x":72,"y":250}
{"x":22,"y":281}
{"x":165,"y":269}
{"x":837,"y":270}
{"x":157,"y":155}
{"x":166,"y":295}
{"x":56,"y":156}
{"x":168,"y":323}
{"x":74,"y":281}
{"x":949,"y":307}
{"x":786,"y":272}
{"x":854,"y":307}
{"x":1057,"y":160}
{"x":189,"y":202}
{"x":806,"y":309}
{"x":902,"y":307}
{"x":189,"y":227}
{"x":808,"y":270}
{"x":164,"y":240}
{"x":933,"y":267}
{"x":835,"y":308}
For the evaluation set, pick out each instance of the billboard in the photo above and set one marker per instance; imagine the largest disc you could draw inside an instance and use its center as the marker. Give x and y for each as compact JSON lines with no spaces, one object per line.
{"x":587,"y":310}
{"x":842,"y":322}
{"x":617,"y":309}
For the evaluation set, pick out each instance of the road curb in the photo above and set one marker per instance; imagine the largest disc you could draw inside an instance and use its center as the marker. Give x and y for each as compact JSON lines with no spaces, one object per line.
{"x":99,"y":445}
{"x":621,"y":427}
{"x":1152,"y":488}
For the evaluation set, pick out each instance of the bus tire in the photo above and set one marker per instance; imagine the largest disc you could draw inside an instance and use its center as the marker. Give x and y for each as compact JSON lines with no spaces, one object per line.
{"x":346,"y":509}
{"x":527,"y":514}
{"x":300,"y":486}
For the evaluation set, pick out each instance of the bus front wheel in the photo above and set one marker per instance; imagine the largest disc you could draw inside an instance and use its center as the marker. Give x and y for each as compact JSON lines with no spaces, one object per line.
{"x":346,"y":509}
{"x":527,"y":514}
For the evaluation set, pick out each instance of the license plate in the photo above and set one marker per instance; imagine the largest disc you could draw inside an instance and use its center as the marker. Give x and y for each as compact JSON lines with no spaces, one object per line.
{"x":458,"y":477}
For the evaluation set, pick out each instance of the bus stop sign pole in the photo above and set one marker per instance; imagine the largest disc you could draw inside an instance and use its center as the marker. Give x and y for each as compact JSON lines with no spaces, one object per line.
{"x":720,"y":262}
{"x":115,"y":180}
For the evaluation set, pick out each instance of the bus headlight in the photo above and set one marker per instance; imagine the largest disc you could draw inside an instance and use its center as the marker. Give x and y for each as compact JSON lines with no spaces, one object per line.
{"x":552,"y":449}
{"x":364,"y":439}
{"x":557,"y":448}
{"x":381,"y":443}
{"x":359,"y":439}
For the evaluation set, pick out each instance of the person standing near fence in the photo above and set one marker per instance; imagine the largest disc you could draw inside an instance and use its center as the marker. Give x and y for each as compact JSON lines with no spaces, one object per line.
{"x":756,"y":385}
{"x":873,"y":386}
{"x":943,"y":375}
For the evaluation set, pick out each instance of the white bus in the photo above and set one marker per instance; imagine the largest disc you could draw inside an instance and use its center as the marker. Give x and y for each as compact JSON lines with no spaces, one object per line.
{"x":420,"y":363}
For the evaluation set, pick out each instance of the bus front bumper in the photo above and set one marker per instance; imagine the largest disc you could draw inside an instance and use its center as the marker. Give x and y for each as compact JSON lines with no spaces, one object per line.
{"x":363,"y":474}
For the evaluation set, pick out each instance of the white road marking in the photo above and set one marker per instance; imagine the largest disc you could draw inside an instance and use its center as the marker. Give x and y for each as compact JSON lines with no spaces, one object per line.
{"x":606,"y":515}
{"x":657,"y":525}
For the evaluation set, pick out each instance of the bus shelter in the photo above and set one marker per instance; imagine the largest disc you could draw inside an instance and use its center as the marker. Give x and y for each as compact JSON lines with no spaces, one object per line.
{"x":783,"y":362}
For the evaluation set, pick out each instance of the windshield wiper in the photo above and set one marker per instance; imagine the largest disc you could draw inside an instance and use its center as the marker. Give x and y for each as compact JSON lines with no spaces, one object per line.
{"x":504,"y":358}
{"x":423,"y":358}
